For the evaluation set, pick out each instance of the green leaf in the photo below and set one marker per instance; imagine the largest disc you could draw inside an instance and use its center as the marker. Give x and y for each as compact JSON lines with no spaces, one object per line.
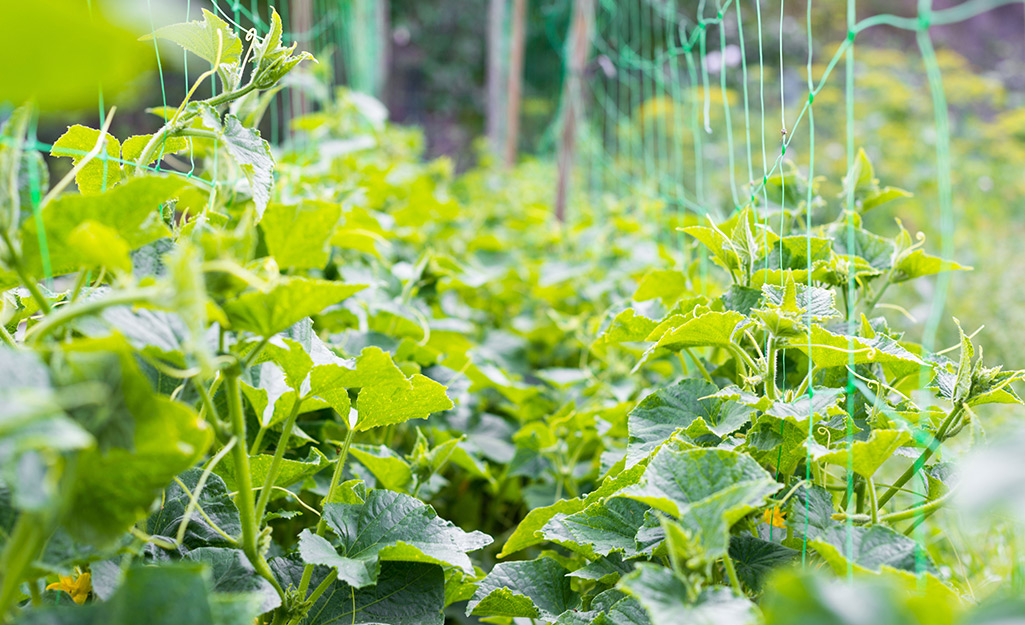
{"x":627,"y":326}
{"x":249,"y":150}
{"x":100,"y":173}
{"x":882,"y":196}
{"x":390,"y":469}
{"x":870,"y":549}
{"x":231,"y":572}
{"x":835,"y":350}
{"x":664,"y":596}
{"x":214,"y":501}
{"x":816,"y":304}
{"x":297,"y":235}
{"x":755,"y":559}
{"x":387,"y":396}
{"x":529,"y":589}
{"x":707,"y":490}
{"x":388,"y":526}
{"x":406,"y":593}
{"x":290,"y":471}
{"x":918,"y":264}
{"x":710,"y":328}
{"x":131,"y":149}
{"x":527,"y":533}
{"x":688,"y":405}
{"x":664,"y":284}
{"x":114,"y":487}
{"x":131,"y":209}
{"x":101,"y":246}
{"x":287,"y":301}
{"x":605,"y":569}
{"x":867,"y":455}
{"x":34,"y":430}
{"x":602,"y":528}
{"x":204,"y":39}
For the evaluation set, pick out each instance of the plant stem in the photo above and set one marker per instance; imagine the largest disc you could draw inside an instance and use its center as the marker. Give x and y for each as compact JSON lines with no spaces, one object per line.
{"x":15,"y":263}
{"x":88,"y":307}
{"x":275,"y":463}
{"x":927,"y":453}
{"x":23,"y":547}
{"x":731,"y":572}
{"x":697,"y":363}
{"x":770,"y":377}
{"x":873,"y":503}
{"x":336,"y":477}
{"x":878,"y":296}
{"x":245,"y":484}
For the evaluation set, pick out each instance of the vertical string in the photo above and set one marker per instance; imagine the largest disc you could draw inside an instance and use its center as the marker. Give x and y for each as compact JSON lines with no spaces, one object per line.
{"x":807,"y":225}
{"x":851,"y":323}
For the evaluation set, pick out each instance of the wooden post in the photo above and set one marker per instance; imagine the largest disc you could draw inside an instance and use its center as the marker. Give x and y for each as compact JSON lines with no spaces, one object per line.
{"x":302,"y":23}
{"x":515,"y":84}
{"x":495,"y":101}
{"x":578,"y":51}
{"x":383,"y":23}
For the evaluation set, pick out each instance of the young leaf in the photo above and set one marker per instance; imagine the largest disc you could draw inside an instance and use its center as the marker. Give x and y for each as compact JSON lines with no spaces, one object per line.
{"x":100,"y":173}
{"x":297,"y":235}
{"x":204,"y":39}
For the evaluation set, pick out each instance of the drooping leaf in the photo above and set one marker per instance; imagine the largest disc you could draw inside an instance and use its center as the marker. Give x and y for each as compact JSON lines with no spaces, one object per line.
{"x":248,"y":149}
{"x":290,"y":471}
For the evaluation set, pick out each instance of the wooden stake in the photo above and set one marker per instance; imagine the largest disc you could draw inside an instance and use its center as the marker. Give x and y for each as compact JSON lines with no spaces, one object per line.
{"x":578,"y":51}
{"x":515,"y":84}
{"x":495,"y":102}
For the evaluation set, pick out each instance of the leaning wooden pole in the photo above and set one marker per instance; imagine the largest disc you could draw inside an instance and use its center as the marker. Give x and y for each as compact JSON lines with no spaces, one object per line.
{"x":515,"y":85}
{"x":578,"y":50}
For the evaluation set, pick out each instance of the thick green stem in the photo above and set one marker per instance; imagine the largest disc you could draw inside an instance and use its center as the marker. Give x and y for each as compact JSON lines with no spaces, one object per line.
{"x":770,"y":376}
{"x":15,"y":263}
{"x":275,"y":463}
{"x":697,"y":363}
{"x":250,"y":529}
{"x":23,"y":546}
{"x":927,"y":453}
{"x":88,"y":307}
{"x":336,"y":478}
{"x":731,"y":572}
{"x":873,"y":503}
